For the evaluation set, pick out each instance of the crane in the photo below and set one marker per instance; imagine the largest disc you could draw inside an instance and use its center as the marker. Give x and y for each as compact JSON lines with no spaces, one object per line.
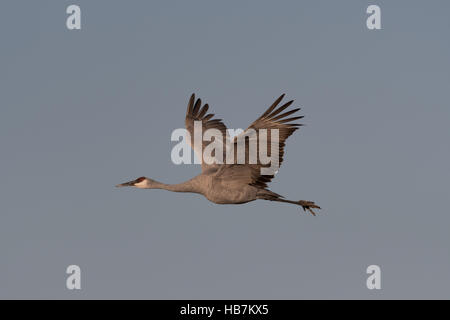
{"x":235,"y":183}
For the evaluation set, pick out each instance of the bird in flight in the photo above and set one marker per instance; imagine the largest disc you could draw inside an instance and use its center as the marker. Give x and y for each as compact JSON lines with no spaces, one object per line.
{"x":234,"y":183}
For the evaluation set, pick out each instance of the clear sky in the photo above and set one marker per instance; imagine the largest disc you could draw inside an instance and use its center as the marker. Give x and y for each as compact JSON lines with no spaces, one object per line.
{"x":81,"y":111}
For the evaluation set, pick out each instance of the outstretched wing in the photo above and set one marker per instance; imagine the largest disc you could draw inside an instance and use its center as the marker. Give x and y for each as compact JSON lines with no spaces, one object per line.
{"x":196,"y":113}
{"x":272,"y":118}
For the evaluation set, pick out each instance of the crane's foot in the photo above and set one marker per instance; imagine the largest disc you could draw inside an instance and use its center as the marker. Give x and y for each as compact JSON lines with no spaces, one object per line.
{"x":308,"y":205}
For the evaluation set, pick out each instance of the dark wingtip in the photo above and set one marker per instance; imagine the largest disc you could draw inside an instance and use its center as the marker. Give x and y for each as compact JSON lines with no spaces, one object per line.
{"x":190,"y":104}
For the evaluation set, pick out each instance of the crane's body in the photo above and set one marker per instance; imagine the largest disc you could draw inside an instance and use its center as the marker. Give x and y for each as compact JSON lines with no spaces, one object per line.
{"x":232,"y":183}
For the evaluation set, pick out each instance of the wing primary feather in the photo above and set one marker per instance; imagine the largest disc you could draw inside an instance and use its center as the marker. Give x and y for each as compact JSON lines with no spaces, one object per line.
{"x":203,"y":111}
{"x":190,"y":104}
{"x":276,"y":102}
{"x":285,"y":114}
{"x":208,"y":116}
{"x":198,"y":103}
{"x":284,"y":106}
{"x":291,"y":119}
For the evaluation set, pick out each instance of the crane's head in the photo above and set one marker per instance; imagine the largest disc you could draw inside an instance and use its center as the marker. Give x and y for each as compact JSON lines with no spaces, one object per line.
{"x":141,"y":183}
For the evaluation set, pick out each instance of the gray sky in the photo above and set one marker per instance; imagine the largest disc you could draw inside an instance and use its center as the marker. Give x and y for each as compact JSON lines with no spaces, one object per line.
{"x":84,"y":110}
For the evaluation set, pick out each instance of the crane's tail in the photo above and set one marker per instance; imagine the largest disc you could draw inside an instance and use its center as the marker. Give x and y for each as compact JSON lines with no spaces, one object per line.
{"x":272,"y":196}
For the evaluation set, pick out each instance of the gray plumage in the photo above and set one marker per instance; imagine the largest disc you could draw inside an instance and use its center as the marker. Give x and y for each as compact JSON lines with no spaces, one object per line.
{"x":233,"y":183}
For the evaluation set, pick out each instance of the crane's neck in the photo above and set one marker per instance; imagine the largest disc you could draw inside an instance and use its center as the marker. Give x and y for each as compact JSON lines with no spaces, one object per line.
{"x":187,"y":186}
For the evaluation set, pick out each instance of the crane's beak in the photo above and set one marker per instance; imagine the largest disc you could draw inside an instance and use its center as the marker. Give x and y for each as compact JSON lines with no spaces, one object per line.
{"x":126,"y":184}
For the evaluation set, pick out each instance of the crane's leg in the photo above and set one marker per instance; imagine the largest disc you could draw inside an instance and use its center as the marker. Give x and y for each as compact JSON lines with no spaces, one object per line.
{"x":307,"y":205}
{"x":272,"y":196}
